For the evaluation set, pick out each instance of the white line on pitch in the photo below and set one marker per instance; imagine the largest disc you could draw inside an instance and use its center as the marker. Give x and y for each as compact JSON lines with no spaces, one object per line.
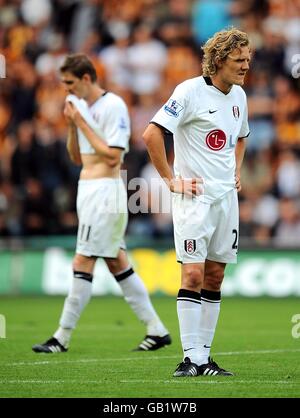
{"x":144,"y":357}
{"x":174,"y":381}
{"x":203,"y":381}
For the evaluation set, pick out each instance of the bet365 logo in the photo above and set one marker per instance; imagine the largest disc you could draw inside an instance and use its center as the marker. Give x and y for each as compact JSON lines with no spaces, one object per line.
{"x":296,"y":327}
{"x":2,"y":326}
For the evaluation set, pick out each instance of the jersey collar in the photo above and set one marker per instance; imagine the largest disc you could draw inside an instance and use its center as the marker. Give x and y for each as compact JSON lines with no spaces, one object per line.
{"x":99,"y":98}
{"x":209,"y":82}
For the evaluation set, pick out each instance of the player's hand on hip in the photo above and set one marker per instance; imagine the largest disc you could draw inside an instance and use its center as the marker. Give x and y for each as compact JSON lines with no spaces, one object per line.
{"x":238,"y":184}
{"x":188,"y":187}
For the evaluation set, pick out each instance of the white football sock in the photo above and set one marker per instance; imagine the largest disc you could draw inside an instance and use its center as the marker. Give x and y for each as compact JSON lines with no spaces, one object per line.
{"x":210,"y":302}
{"x":78,"y":298}
{"x":136,"y":295}
{"x":189,"y":314}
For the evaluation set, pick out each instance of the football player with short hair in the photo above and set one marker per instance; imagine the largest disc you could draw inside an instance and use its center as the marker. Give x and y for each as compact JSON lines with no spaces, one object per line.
{"x":98,"y":136}
{"x":207,"y":116}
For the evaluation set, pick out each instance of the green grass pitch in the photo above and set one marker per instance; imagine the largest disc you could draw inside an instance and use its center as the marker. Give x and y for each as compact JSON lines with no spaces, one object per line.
{"x":253,"y":339}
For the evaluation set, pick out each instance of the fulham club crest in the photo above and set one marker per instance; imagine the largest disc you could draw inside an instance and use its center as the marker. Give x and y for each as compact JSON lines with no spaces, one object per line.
{"x":236,"y":112}
{"x":190,"y":246}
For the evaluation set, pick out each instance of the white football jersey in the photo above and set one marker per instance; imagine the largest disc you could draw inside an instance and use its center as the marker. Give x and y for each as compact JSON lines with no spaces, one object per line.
{"x":108,"y":117}
{"x":206,"y":124}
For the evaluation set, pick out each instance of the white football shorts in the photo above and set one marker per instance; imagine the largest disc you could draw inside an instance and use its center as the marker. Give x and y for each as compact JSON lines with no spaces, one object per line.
{"x":102,"y":217}
{"x":206,"y":231}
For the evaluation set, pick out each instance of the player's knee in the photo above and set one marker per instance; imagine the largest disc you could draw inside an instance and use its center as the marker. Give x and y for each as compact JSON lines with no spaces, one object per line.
{"x":113,"y":266}
{"x":192,"y":278}
{"x":213,"y":280}
{"x":76,"y":265}
{"x":84,"y":264}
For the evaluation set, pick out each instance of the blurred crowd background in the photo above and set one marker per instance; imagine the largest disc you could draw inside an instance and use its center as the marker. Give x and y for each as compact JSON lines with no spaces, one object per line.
{"x":142,"y":49}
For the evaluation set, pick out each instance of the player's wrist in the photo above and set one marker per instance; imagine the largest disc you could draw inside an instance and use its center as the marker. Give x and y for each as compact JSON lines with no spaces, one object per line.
{"x":172,"y":184}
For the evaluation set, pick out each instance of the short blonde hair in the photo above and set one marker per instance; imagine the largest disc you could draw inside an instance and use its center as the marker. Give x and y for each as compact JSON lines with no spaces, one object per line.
{"x":220,"y":46}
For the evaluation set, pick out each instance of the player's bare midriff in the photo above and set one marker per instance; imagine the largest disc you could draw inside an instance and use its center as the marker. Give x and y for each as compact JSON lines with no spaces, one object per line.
{"x":93,"y":167}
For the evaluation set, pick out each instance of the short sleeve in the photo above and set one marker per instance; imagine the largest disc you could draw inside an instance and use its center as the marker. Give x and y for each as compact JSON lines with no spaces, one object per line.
{"x":173,"y":112}
{"x":117,"y":126}
{"x":244,"y":132}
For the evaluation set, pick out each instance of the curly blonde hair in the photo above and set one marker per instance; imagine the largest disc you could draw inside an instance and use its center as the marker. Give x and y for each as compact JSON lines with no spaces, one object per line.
{"x":220,"y":46}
